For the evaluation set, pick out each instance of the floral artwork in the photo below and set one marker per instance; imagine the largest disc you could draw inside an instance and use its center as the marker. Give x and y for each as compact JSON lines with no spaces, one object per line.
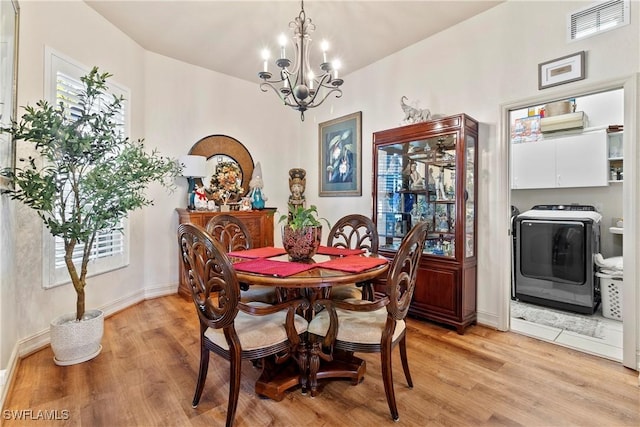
{"x":225,"y":185}
{"x":340,"y":156}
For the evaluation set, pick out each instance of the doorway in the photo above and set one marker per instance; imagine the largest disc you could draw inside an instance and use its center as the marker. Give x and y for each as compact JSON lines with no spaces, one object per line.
{"x":630,"y":201}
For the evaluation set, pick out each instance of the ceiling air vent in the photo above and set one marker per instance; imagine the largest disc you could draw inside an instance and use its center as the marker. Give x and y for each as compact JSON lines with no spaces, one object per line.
{"x":598,"y":18}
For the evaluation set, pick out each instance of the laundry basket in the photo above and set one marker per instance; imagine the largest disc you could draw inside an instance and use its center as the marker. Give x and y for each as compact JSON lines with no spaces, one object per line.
{"x":611,"y":293}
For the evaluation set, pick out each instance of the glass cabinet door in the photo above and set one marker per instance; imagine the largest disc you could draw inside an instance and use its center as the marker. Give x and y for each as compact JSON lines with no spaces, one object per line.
{"x":469,"y":194}
{"x":416,"y":181}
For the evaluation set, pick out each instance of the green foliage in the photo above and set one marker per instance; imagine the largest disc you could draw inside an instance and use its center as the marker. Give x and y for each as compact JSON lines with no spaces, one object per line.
{"x":299,"y":217}
{"x":88,"y":175}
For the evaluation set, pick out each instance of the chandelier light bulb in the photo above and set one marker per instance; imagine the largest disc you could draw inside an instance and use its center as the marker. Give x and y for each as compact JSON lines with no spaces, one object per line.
{"x":311,"y":77}
{"x":336,"y":66}
{"x":325,"y":47}
{"x":265,"y":56}
{"x":282,"y":41}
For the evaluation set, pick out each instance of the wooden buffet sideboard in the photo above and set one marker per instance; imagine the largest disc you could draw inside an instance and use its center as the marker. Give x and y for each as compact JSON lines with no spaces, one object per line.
{"x":259,"y":222}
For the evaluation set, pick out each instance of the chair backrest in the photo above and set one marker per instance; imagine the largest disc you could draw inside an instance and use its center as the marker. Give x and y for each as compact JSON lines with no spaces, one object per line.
{"x":401,"y":279}
{"x":354,"y":232}
{"x":209,"y":275}
{"x":230,"y":232}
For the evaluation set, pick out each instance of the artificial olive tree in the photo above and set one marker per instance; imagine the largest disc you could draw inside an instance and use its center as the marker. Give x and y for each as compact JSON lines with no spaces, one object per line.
{"x":88,"y":175}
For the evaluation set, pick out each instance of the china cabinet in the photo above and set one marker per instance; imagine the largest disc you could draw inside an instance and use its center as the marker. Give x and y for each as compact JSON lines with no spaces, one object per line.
{"x":259,"y":223}
{"x":427,"y":172}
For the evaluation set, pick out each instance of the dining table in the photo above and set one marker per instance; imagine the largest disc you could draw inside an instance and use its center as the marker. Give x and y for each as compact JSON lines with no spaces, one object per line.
{"x":311,"y":279}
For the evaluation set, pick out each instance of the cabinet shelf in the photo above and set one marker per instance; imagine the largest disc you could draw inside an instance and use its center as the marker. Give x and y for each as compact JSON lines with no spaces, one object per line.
{"x":615,"y":159}
{"x":438,"y":157}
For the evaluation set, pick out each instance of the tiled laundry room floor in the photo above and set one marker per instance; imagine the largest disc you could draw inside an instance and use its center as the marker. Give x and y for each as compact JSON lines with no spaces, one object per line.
{"x":608,"y":346}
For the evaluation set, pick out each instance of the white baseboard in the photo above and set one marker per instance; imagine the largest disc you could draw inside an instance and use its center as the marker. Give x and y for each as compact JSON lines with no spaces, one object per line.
{"x":160,"y":291}
{"x":6,"y":375}
{"x":488,"y":319}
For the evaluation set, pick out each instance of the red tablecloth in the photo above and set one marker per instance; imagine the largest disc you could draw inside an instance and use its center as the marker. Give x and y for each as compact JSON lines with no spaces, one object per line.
{"x":272,"y":267}
{"x":330,"y":250}
{"x":265,"y":252}
{"x":352,"y":263}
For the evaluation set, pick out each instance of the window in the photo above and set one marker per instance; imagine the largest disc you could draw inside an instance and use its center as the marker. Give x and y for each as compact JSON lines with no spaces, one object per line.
{"x":110,"y":249}
{"x":596,"y":19}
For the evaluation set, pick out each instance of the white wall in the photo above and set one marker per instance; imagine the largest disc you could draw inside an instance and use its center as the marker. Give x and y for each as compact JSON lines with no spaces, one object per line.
{"x":471,"y":68}
{"x":186,"y":103}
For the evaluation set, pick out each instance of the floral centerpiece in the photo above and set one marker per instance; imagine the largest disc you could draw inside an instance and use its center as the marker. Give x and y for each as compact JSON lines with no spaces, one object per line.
{"x":225,"y":185}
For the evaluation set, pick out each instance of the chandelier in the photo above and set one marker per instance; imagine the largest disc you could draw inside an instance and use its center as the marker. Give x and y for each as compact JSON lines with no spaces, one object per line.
{"x":297,"y":86}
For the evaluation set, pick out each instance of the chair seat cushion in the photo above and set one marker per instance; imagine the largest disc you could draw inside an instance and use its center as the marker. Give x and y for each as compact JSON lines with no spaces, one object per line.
{"x":356,"y":327}
{"x":255,"y":332}
{"x":265,"y":294}
{"x":344,"y":292}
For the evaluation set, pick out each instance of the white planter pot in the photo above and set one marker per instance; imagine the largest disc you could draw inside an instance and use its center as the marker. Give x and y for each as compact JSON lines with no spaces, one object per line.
{"x":76,"y":342}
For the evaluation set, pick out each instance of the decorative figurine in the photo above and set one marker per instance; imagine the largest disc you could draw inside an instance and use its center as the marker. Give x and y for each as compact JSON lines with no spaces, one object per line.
{"x":200,"y":198}
{"x":256,"y":184}
{"x":413,"y":114}
{"x":415,"y":179}
{"x":440,"y":193}
{"x":245,"y":204}
{"x":297,"y":184}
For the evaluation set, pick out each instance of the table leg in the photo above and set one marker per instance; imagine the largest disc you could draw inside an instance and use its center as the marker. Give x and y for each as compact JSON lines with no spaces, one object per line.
{"x":276,"y":378}
{"x":341,"y":364}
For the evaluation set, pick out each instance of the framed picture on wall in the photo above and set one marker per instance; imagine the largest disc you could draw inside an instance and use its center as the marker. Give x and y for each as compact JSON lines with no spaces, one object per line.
{"x":563,"y":70}
{"x":341,"y":156}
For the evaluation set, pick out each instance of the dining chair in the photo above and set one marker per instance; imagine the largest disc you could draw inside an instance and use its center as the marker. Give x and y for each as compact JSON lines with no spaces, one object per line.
{"x":234,"y":235}
{"x":228,"y":327}
{"x":372,"y":327}
{"x":354,"y":231}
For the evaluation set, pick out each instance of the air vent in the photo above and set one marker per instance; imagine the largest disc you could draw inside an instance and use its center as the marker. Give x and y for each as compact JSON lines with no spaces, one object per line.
{"x":598,"y":18}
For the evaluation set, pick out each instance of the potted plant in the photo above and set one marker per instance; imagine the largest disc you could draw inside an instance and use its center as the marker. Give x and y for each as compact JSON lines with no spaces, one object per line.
{"x":302,"y":233}
{"x":87,"y":178}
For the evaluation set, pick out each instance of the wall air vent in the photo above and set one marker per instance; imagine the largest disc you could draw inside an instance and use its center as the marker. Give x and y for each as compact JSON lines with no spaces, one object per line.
{"x":601,"y":17}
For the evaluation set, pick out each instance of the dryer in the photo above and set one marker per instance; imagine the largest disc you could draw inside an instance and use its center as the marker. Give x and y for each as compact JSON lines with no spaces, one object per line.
{"x":555,"y":248}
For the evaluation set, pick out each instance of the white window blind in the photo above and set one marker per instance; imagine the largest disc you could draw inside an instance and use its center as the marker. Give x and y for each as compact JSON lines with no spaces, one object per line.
{"x":595,"y":19}
{"x":110,"y":249}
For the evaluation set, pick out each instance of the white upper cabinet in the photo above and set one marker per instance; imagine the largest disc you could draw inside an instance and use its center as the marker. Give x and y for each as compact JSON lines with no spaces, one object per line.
{"x":581,"y":160}
{"x":533,"y":165}
{"x":578,"y":160}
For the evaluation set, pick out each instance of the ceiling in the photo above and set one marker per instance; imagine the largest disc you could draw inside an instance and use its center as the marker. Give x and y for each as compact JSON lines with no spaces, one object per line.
{"x":228,"y":36}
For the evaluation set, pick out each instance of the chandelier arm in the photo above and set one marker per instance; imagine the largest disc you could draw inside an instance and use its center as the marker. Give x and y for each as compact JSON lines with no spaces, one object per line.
{"x":321,"y":83}
{"x":265,"y":86}
{"x":326,"y":95}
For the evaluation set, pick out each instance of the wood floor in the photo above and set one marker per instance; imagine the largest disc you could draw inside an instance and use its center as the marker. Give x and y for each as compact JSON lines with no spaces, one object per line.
{"x":146,"y":373}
